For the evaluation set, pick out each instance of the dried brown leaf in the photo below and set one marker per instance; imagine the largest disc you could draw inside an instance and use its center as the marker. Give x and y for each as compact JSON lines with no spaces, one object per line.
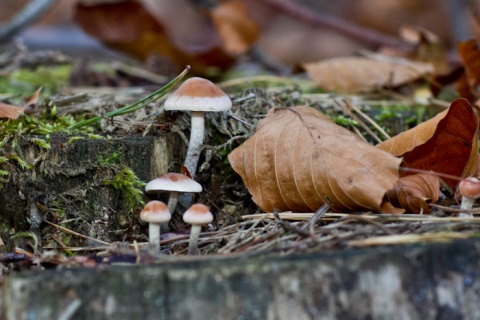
{"x":447,"y":143}
{"x":352,"y":74}
{"x":8,"y":111}
{"x":299,"y":160}
{"x":414,"y":193}
{"x":237,"y":30}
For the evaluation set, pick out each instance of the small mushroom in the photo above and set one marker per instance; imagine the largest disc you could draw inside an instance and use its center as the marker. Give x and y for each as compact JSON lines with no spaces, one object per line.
{"x":197,"y":95}
{"x":155,"y":212}
{"x":197,"y":215}
{"x":470,"y":190}
{"x":174,"y":183}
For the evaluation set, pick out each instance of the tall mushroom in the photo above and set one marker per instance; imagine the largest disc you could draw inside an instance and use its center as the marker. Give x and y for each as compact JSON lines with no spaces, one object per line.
{"x":155,"y":212}
{"x":174,"y":183}
{"x":197,"y":215}
{"x":197,"y":95}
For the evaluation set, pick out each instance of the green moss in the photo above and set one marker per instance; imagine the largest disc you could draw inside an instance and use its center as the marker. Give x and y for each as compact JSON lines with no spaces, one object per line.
{"x":50,"y":78}
{"x":111,"y":159}
{"x":126,"y":181}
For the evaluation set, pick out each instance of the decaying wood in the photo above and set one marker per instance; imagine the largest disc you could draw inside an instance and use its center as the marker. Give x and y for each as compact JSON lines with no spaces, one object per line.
{"x":69,"y":181}
{"x":405,"y":282}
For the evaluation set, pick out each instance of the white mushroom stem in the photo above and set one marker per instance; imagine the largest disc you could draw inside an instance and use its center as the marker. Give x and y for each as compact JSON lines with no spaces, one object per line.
{"x":154,"y":236}
{"x":467,"y":203}
{"x":196,"y":140}
{"x":193,"y":242}
{"x":172,"y":201}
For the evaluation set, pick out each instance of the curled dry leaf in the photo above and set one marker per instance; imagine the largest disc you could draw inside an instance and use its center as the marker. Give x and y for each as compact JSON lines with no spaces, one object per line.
{"x":354,"y":74}
{"x":446,"y":144}
{"x":470,"y":55}
{"x":237,"y":30}
{"x":181,"y":35}
{"x":8,"y":111}
{"x":414,"y":193}
{"x":299,"y":160}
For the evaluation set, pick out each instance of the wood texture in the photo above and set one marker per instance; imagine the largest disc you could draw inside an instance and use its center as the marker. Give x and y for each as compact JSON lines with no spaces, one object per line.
{"x":434,"y":281}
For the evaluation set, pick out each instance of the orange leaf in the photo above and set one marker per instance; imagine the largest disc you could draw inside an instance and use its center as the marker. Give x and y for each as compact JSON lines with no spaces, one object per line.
{"x":446,"y":144}
{"x":352,"y":74}
{"x":470,"y":55}
{"x":415,"y":192}
{"x":299,"y":160}
{"x":9,"y":111}
{"x":128,"y":26}
{"x":237,"y":30}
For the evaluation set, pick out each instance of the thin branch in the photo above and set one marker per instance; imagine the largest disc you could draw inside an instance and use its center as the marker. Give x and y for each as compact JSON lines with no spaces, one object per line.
{"x":30,"y":13}
{"x":308,"y":15}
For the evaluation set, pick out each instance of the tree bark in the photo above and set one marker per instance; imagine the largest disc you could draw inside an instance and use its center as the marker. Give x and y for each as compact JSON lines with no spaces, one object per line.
{"x":434,"y":281}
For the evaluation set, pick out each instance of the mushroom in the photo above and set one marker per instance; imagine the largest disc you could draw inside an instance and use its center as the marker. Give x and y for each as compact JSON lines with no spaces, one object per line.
{"x":197,"y":95}
{"x":175,"y":183}
{"x":155,"y":212}
{"x":470,"y":190}
{"x":197,"y":215}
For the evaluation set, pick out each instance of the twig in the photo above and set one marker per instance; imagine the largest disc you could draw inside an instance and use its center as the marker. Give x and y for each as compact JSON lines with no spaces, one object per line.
{"x":290,"y":227}
{"x":29,"y":14}
{"x":366,"y":117}
{"x":308,"y":15}
{"x":76,"y":233}
{"x":345,"y":109}
{"x":313,"y":220}
{"x":409,"y":238}
{"x":437,"y":206}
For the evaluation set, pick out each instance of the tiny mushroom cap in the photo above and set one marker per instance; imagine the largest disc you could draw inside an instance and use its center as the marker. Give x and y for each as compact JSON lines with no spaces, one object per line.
{"x":470,"y":187}
{"x":198,"y":94}
{"x":198,"y":214}
{"x":155,"y":212}
{"x":176,"y":182}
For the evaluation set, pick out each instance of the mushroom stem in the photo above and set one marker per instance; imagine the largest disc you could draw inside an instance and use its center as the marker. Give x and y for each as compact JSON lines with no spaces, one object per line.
{"x":193,"y":242}
{"x":172,"y":204}
{"x":154,"y":236}
{"x":467,"y":203}
{"x":172,"y":201}
{"x":196,"y":141}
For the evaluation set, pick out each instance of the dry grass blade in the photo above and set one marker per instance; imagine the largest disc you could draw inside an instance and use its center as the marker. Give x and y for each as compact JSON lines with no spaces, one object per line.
{"x":409,"y":238}
{"x":76,"y":233}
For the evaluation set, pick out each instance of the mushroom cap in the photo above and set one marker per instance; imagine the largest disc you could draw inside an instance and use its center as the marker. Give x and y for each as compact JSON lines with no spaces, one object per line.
{"x":173,"y":182}
{"x":470,"y":187}
{"x":198,"y":214}
{"x":198,"y":94}
{"x":155,"y":212}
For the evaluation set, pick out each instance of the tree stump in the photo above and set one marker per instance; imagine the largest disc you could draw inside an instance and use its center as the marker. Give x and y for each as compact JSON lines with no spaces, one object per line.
{"x":431,"y":281}
{"x":85,"y":181}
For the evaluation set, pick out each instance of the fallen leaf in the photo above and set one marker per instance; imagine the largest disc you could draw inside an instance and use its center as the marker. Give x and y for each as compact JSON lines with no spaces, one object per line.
{"x":8,"y":111}
{"x":142,"y":33}
{"x":428,"y":48}
{"x":470,"y":55}
{"x":414,"y":193}
{"x":446,"y":144}
{"x":355,"y":74}
{"x":299,"y":160}
{"x":237,"y":30}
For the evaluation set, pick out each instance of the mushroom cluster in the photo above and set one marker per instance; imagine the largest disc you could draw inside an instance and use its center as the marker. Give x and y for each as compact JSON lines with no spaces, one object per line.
{"x":175,"y":183}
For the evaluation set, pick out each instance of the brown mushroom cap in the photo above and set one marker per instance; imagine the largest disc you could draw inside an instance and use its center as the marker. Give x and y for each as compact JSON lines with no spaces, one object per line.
{"x":173,"y":182}
{"x":198,"y":94}
{"x":198,"y":214}
{"x":470,"y":187}
{"x":155,"y":212}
